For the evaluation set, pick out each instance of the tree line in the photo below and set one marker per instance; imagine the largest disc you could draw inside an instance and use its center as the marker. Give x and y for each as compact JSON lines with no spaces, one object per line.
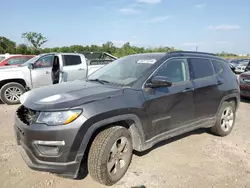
{"x":34,"y":42}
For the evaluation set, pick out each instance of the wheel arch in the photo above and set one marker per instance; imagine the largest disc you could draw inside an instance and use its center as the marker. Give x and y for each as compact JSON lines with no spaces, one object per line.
{"x":233,"y":98}
{"x":16,"y":80}
{"x":129,"y":121}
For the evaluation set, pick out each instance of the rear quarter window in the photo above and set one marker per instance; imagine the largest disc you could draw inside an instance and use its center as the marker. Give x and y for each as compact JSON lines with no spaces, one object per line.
{"x":69,"y":60}
{"x":217,"y":66}
{"x":201,"y":68}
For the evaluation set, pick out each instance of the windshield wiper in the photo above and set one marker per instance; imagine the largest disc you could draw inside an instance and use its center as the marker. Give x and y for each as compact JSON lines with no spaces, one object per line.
{"x":98,"y":80}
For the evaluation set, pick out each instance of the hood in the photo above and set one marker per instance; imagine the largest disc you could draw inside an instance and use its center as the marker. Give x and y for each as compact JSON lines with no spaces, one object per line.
{"x":67,"y":95}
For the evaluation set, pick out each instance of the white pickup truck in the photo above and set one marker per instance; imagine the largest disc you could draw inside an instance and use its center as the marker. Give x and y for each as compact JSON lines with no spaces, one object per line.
{"x":36,"y":72}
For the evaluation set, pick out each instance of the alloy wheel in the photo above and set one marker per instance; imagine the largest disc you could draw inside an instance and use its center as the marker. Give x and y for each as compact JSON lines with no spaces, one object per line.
{"x":119,"y":157}
{"x":227,"y":119}
{"x":12,"y":94}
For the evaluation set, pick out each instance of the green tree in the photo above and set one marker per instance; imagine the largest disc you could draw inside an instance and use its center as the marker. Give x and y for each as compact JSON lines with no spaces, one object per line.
{"x":35,"y":39}
{"x":109,"y":47}
{"x":7,"y":45}
{"x":22,"y":49}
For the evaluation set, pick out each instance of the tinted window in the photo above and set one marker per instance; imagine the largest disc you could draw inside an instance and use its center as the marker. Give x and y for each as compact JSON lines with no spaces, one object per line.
{"x":44,"y":61}
{"x":175,"y":70}
{"x":71,"y":60}
{"x":201,"y":68}
{"x":15,"y":61}
{"x":217,"y":66}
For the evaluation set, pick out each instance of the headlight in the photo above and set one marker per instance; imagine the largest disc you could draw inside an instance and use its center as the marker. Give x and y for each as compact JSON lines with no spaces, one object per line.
{"x":58,"y":118}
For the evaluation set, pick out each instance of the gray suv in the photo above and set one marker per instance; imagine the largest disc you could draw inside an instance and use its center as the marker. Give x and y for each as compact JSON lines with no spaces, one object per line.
{"x":130,"y":104}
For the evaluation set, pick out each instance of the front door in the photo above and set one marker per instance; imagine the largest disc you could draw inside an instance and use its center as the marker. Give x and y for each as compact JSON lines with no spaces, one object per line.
{"x":171,"y":107}
{"x":41,"y":73}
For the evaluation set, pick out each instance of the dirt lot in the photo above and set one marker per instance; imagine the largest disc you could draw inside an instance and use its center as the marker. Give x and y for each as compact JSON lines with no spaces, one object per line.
{"x":197,"y":160}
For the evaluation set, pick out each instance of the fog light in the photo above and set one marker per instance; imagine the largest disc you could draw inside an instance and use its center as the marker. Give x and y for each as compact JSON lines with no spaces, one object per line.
{"x":48,"y":147}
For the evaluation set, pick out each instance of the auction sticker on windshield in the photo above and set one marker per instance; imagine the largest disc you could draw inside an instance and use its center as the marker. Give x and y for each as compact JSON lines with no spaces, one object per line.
{"x":147,"y":61}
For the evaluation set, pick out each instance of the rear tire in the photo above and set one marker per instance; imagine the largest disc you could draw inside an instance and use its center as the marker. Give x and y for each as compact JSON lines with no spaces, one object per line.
{"x":110,"y":155}
{"x":11,"y":92}
{"x":225,"y":119}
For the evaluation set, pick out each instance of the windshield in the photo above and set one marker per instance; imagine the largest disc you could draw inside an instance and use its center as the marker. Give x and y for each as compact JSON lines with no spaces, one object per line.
{"x":125,"y":71}
{"x":32,"y":60}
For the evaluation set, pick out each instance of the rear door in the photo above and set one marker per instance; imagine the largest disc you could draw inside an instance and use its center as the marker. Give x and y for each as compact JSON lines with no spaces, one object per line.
{"x":206,"y":92}
{"x":74,"y":67}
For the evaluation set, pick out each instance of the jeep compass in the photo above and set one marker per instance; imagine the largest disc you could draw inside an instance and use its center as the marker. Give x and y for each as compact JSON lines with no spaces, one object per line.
{"x":130,"y":104}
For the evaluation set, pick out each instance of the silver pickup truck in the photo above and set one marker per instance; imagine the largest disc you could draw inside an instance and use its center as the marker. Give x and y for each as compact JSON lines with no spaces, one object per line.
{"x":36,"y":72}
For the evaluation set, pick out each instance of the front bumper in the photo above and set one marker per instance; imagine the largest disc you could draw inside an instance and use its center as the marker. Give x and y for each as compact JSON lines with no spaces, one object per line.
{"x":69,"y":169}
{"x":65,"y":162}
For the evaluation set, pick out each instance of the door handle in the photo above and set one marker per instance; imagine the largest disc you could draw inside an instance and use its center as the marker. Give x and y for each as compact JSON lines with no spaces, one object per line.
{"x":187,"y":90}
{"x":80,"y":69}
{"x":47,"y":72}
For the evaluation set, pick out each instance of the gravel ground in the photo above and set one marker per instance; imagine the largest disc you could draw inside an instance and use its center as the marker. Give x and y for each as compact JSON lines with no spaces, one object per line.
{"x":195,"y":160}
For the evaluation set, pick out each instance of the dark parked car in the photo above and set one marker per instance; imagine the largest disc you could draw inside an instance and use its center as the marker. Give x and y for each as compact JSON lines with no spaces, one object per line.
{"x":130,"y":104}
{"x":244,"y":80}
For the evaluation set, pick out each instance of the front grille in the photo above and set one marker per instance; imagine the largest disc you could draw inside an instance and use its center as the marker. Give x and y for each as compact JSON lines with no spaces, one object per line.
{"x":26,"y":115}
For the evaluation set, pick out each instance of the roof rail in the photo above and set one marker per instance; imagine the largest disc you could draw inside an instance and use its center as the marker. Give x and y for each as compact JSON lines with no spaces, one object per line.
{"x":194,"y":52}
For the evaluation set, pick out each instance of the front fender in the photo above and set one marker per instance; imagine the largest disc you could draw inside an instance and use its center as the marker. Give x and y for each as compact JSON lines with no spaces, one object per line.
{"x":138,"y":136}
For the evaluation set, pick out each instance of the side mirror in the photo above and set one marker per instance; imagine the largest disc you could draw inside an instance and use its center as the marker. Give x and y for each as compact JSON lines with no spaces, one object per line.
{"x":30,"y":66}
{"x":159,"y":81}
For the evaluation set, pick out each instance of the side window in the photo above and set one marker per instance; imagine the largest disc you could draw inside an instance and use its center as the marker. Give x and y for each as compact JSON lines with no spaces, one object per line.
{"x":201,"y":68}
{"x":44,"y":61}
{"x":175,"y":70}
{"x":71,"y":60}
{"x":15,"y":61}
{"x":217,"y":66}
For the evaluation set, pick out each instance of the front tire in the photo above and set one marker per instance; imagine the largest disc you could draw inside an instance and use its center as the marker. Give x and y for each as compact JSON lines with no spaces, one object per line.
{"x":110,"y":155}
{"x":225,"y":119}
{"x":11,"y":92}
